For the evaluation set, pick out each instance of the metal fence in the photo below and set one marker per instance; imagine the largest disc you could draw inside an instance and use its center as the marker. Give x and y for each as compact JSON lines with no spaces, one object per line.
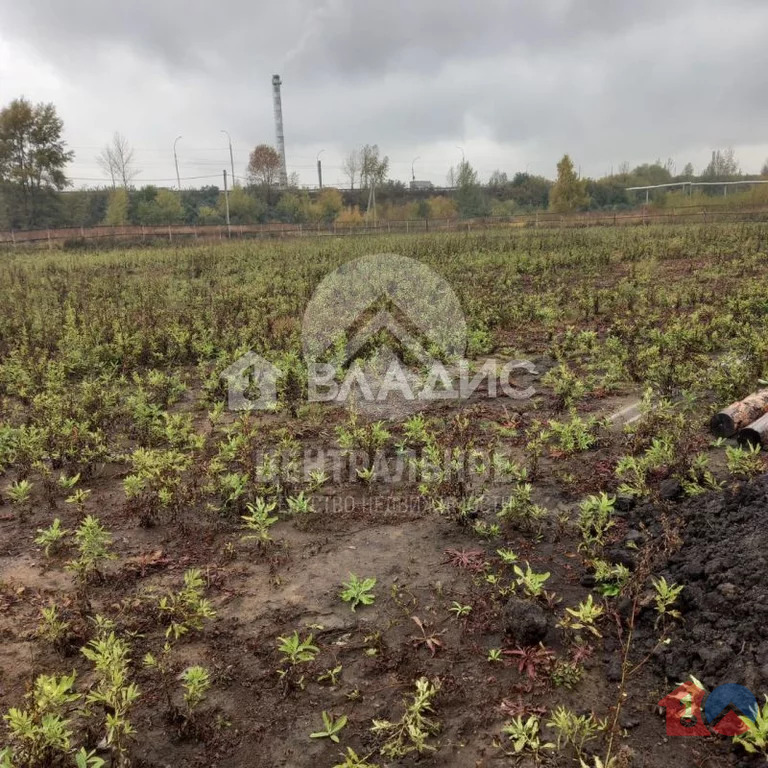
{"x":183,"y":233}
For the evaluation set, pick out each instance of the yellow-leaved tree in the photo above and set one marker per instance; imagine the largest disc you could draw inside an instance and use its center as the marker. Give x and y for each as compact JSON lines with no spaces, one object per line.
{"x":569,"y":193}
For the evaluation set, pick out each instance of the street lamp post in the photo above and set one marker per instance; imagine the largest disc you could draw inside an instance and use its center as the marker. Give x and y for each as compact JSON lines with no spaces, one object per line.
{"x":176,"y":161}
{"x":231,"y":156}
{"x":226,"y":201}
{"x":319,"y":170}
{"x":413,"y":175}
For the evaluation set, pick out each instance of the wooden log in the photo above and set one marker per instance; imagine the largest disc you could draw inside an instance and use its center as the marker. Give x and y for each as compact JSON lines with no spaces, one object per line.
{"x":755,"y":434}
{"x":738,"y":415}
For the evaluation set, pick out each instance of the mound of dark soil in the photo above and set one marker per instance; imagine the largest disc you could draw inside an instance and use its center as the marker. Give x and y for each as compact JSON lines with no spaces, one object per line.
{"x":723,"y":564}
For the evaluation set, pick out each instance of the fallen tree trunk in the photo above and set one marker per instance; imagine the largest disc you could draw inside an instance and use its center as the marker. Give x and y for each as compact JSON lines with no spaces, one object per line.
{"x":755,"y":434}
{"x":738,"y":415}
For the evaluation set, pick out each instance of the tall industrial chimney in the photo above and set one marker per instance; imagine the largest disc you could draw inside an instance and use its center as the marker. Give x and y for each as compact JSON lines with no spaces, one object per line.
{"x":278,"y":104}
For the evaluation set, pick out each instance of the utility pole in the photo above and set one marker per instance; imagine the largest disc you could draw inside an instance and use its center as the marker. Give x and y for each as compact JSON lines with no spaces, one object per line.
{"x":231,"y":156}
{"x":319,"y":170}
{"x":226,"y":204}
{"x":176,"y":161}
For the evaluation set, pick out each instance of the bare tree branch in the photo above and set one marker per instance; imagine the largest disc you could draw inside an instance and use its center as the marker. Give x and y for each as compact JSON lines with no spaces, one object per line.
{"x":117,"y":159}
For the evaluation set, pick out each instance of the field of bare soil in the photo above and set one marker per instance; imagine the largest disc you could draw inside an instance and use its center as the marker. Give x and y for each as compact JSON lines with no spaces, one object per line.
{"x":465,"y":581}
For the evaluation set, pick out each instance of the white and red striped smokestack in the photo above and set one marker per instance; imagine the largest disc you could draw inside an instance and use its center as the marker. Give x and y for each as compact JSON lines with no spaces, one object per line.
{"x":276,"y":83}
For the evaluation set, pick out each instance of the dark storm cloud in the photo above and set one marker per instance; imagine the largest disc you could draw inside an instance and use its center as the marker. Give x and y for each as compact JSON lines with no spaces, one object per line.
{"x":603,"y":79}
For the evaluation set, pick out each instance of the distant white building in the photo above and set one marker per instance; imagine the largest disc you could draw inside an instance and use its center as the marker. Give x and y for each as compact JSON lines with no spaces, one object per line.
{"x":421,"y":186}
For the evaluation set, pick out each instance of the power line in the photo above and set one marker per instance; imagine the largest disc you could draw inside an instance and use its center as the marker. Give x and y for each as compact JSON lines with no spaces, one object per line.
{"x":183,"y":178}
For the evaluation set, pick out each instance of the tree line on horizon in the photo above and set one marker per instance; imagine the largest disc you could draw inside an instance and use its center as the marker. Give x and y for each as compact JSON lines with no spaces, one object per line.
{"x":35,"y":190}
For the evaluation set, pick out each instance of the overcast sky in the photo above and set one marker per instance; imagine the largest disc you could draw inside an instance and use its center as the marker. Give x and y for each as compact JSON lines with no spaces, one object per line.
{"x":515,"y":84}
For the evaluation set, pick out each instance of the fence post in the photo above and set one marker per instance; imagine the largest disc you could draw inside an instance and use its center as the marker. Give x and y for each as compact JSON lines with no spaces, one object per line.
{"x":13,"y":238}
{"x":50,"y":245}
{"x":170,"y":238}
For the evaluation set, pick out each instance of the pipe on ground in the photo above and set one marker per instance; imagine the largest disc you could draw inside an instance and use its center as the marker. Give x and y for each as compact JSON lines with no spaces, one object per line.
{"x":755,"y":434}
{"x":739,"y":415}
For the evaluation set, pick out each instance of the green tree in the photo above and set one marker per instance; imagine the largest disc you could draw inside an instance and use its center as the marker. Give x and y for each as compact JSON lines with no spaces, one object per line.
{"x":6,"y":206}
{"x":244,"y":208}
{"x":293,"y":207}
{"x":503,"y":207}
{"x":264,"y":168}
{"x":649,"y":173}
{"x":530,"y":192}
{"x":169,"y":207}
{"x":328,"y":205}
{"x":117,"y":208}
{"x":33,"y":157}
{"x":208,"y":214}
{"x":165,"y":208}
{"x":607,"y":193}
{"x":569,"y":193}
{"x":497,"y":182}
{"x":469,"y":197}
{"x":723,"y":165}
{"x":441,"y":207}
{"x":74,"y":208}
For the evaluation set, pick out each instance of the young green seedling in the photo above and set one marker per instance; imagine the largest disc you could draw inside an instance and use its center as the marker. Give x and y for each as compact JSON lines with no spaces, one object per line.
{"x":665,"y":598}
{"x":531,"y":582}
{"x":78,"y":499}
{"x":297,"y":651}
{"x":196,"y":681}
{"x":331,"y":728}
{"x":459,"y":610}
{"x":93,"y":542}
{"x":20,"y":493}
{"x":583,"y":617}
{"x":358,"y":591}
{"x":258,"y":521}
{"x":299,"y":505}
{"x":50,"y":538}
